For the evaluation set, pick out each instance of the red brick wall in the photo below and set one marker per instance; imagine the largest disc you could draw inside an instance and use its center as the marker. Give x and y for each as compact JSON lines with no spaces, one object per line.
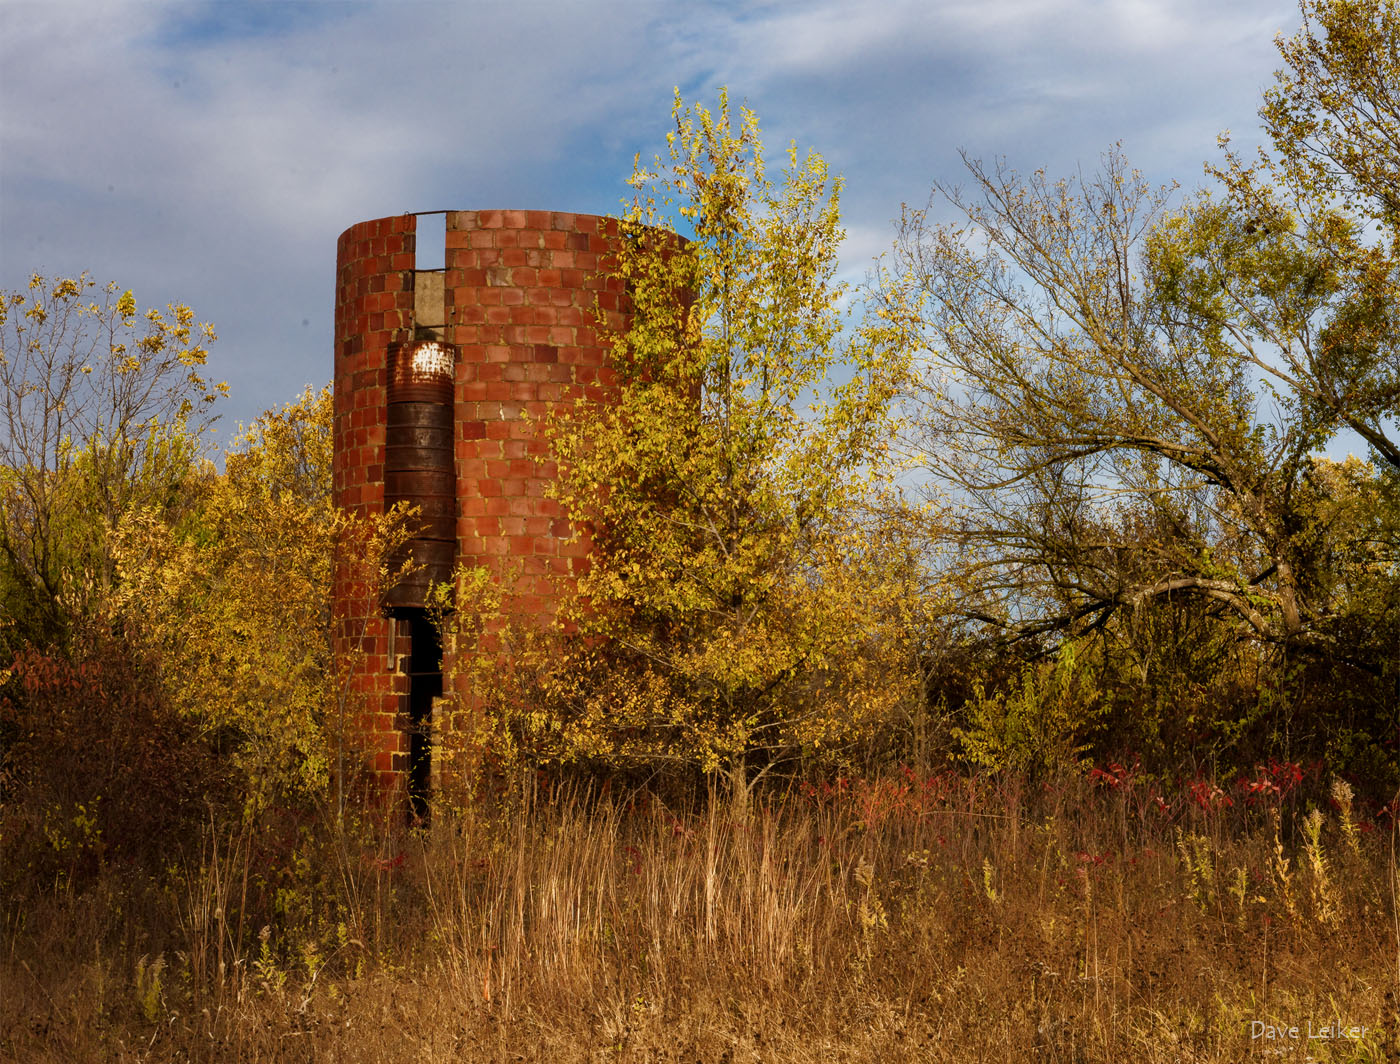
{"x":373,"y":307}
{"x":522,"y":288}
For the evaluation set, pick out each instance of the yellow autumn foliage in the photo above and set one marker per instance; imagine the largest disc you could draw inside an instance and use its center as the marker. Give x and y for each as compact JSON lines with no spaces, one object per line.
{"x":235,"y":602}
{"x":739,"y":612}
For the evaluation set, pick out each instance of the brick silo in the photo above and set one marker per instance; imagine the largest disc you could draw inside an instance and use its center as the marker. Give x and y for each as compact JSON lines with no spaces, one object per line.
{"x":441,"y":378}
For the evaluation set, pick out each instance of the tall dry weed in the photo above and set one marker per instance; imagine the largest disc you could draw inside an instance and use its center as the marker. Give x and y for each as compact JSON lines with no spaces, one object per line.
{"x":910,"y":918}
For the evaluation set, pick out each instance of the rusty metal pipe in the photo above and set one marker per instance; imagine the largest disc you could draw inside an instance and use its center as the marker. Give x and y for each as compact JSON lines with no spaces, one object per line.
{"x":418,"y":465}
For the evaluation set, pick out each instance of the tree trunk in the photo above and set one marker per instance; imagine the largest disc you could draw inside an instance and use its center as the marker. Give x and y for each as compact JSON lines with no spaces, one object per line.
{"x":739,"y":791}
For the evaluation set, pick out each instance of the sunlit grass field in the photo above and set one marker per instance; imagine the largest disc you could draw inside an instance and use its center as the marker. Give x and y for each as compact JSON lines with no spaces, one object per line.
{"x":915,"y":917}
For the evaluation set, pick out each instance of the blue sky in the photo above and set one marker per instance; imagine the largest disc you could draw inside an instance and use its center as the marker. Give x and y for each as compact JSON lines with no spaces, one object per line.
{"x":210,"y":153}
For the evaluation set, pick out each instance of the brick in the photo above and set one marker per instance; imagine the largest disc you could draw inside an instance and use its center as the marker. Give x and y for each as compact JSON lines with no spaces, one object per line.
{"x":520,"y":301}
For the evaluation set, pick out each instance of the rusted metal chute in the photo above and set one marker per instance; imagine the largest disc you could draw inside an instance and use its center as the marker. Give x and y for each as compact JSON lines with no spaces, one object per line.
{"x":418,"y":465}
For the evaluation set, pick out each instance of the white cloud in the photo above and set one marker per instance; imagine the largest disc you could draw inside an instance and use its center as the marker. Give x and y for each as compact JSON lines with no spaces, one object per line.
{"x":195,"y":156}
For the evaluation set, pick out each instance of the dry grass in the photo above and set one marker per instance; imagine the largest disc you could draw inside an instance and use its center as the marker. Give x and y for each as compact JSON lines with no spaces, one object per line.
{"x":908,"y":920}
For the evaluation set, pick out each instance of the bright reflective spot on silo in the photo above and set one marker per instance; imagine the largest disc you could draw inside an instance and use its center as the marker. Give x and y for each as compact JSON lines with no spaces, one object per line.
{"x":432,"y":361}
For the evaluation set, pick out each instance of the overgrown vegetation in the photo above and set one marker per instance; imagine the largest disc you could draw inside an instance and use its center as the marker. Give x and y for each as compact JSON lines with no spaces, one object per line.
{"x":988,"y":666}
{"x":913,"y":917}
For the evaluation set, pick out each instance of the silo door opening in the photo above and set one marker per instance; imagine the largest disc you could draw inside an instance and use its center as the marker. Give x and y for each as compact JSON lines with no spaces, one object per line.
{"x":424,"y":685}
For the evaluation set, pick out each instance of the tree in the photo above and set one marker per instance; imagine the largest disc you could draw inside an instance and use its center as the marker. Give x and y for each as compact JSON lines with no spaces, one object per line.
{"x":101,"y":413}
{"x":736,"y":611}
{"x":1333,"y":117}
{"x":234,"y":602}
{"x":1129,"y":394}
{"x":1109,"y":455}
{"x":1297,"y":268}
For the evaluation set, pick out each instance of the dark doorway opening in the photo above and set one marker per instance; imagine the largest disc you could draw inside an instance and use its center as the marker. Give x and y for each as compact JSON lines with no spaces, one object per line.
{"x":424,"y":685}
